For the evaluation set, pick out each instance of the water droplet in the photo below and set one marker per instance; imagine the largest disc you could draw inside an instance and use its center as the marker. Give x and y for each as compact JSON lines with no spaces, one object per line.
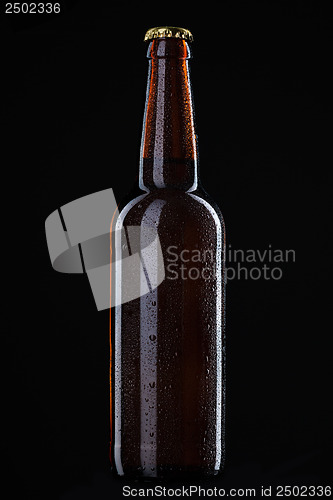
{"x":152,"y":384}
{"x":152,"y":337}
{"x":153,"y":303}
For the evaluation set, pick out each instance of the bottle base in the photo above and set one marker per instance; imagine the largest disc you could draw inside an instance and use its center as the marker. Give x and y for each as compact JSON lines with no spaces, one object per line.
{"x":169,"y":473}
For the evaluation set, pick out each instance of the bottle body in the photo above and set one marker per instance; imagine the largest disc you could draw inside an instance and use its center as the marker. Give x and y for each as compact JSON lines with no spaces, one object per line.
{"x":169,"y":344}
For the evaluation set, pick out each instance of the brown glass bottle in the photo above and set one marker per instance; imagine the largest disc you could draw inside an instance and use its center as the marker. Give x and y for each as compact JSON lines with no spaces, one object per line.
{"x":168,"y":364}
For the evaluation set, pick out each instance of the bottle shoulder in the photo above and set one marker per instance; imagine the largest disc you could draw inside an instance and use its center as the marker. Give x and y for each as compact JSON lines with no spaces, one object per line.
{"x":169,"y":206}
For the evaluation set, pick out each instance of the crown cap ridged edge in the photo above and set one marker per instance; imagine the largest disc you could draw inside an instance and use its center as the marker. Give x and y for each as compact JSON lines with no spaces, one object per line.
{"x":168,"y":32}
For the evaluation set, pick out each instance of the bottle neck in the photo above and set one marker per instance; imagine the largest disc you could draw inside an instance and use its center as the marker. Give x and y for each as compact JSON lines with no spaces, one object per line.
{"x":168,"y":148}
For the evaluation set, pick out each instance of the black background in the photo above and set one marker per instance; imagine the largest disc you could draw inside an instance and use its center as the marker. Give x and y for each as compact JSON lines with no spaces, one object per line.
{"x":74,"y":98}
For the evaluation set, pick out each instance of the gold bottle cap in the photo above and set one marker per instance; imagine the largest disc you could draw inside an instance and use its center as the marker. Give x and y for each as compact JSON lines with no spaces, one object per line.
{"x":169,"y":32}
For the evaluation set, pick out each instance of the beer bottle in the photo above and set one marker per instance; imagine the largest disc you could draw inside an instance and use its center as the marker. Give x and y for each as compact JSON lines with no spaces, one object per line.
{"x":168,"y":366}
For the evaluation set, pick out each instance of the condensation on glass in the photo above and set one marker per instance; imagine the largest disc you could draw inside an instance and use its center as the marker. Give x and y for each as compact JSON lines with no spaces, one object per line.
{"x":168,"y":356}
